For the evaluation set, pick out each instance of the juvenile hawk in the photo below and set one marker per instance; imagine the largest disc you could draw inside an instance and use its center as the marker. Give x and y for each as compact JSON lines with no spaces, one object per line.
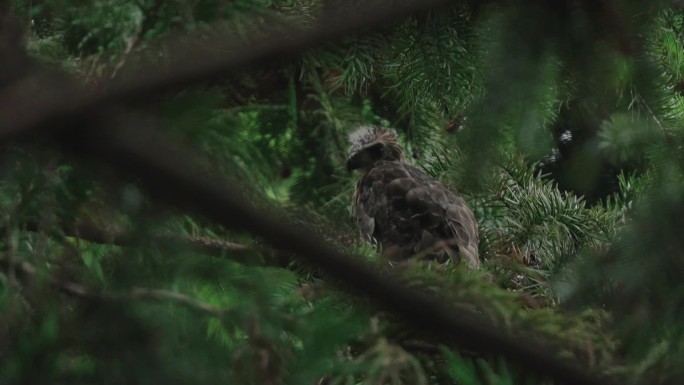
{"x":404,"y":209}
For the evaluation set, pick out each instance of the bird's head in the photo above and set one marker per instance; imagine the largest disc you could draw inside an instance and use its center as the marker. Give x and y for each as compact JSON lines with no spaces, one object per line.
{"x":371,"y":144}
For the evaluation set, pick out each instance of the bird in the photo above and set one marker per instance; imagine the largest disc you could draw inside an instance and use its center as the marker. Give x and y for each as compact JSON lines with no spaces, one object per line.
{"x":402,"y":210}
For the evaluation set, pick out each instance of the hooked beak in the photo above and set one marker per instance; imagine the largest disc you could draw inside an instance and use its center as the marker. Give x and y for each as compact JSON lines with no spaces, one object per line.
{"x":353,"y":164}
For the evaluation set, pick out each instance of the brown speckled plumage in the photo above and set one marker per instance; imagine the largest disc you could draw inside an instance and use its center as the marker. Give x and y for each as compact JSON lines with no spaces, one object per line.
{"x":403,"y":209}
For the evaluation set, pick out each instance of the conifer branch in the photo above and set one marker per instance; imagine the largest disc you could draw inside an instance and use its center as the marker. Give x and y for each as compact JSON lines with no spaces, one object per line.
{"x":26,"y":271}
{"x":196,"y":243}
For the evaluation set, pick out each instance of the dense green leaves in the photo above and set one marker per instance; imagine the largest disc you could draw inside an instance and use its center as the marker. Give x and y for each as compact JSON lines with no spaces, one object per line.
{"x":502,"y":102}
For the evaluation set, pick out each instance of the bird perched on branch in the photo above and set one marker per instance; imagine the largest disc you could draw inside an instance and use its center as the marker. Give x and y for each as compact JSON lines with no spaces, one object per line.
{"x":403,"y":209}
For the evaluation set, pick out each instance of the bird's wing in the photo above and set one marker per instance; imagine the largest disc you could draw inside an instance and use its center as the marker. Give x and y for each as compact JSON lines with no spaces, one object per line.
{"x":463,"y":225}
{"x":362,"y":209}
{"x":449,"y":219}
{"x":409,"y":212}
{"x":375,"y":203}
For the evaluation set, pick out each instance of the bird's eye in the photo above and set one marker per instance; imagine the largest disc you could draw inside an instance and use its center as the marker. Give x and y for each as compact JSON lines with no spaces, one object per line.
{"x":377,"y":150}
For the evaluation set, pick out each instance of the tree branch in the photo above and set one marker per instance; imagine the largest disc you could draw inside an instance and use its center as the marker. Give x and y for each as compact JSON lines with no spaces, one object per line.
{"x":198,"y":244}
{"x":27,"y":271}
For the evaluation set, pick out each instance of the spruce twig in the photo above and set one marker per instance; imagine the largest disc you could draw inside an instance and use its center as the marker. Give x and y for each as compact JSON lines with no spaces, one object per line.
{"x":27,"y":271}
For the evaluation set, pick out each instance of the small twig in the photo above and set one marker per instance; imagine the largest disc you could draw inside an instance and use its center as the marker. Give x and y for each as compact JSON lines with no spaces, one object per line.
{"x":122,"y":60}
{"x":421,"y":347}
{"x":159,"y":295}
{"x":47,"y":203}
{"x":27,"y":271}
{"x":205,"y":245}
{"x":77,"y":290}
{"x":11,"y":275}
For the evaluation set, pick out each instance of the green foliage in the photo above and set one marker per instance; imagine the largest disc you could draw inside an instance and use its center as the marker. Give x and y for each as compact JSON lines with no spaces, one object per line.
{"x":548,"y":223}
{"x":469,"y":372}
{"x":483,"y":97}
